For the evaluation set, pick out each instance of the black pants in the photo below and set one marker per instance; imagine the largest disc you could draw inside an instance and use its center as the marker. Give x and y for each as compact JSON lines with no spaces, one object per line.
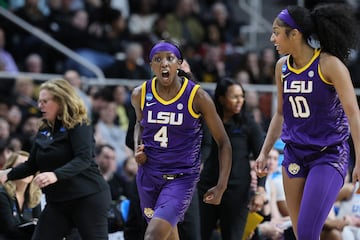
{"x":189,"y":229}
{"x":87,"y":214}
{"x":231,"y":215}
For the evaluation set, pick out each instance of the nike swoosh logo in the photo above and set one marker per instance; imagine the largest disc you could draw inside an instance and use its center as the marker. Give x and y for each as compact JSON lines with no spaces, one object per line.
{"x":284,"y":76}
{"x":150,"y":104}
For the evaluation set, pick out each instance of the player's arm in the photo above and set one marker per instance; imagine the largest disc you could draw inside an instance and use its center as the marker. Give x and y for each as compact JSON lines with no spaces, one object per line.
{"x":140,"y":156}
{"x":337,"y":73}
{"x":275,"y":126}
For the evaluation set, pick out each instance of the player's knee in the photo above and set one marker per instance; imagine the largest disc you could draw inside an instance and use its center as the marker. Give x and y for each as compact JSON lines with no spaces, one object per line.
{"x":307,"y":233}
{"x":158,"y":229}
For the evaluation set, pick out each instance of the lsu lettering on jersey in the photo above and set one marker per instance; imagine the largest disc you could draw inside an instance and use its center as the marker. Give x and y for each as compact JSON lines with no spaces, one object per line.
{"x":312,"y":111}
{"x":171,"y":130}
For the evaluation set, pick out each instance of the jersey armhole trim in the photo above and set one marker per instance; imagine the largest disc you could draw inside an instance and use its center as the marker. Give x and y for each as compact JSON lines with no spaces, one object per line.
{"x":143,"y":92}
{"x":191,"y":100}
{"x":322,"y":77}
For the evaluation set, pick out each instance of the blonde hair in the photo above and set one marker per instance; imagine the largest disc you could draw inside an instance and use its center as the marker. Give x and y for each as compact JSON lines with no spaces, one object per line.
{"x":73,"y":110}
{"x":33,"y":192}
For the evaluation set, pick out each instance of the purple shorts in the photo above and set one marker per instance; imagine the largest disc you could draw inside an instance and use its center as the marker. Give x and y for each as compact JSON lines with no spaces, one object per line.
{"x":298,"y":160}
{"x":165,"y":199}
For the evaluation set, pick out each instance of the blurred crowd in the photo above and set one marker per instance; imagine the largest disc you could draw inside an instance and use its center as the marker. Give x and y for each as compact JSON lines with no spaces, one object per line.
{"x":117,"y":36}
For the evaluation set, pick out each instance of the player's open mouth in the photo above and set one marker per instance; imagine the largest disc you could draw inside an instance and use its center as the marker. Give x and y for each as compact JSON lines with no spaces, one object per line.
{"x":165,"y":74}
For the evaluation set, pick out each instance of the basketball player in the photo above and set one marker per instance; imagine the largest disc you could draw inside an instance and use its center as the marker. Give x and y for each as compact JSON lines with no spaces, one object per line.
{"x":316,"y":110}
{"x":169,"y":110}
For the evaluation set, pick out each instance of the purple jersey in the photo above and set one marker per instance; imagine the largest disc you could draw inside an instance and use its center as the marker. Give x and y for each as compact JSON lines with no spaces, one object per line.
{"x":313,"y":114}
{"x":171,"y":130}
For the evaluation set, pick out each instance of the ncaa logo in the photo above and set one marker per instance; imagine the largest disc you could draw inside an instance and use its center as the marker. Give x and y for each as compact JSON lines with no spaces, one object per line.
{"x":149,"y":97}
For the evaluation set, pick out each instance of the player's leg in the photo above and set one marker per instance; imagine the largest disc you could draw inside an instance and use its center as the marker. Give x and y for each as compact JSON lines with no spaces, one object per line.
{"x":171,"y":205}
{"x":161,"y":229}
{"x":293,"y":188}
{"x":322,"y":186}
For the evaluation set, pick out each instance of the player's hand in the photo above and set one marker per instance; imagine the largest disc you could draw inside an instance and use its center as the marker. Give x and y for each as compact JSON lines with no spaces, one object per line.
{"x":140,"y":155}
{"x":213,"y":196}
{"x":45,"y":178}
{"x":356,"y":172}
{"x":261,"y":166}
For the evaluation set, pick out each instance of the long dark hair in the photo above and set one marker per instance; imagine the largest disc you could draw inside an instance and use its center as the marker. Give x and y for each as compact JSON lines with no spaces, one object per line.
{"x":220,"y":90}
{"x":333,"y":24}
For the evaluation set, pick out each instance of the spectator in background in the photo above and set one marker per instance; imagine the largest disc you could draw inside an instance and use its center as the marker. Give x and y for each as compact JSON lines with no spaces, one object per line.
{"x":242,"y":77}
{"x":131,"y":66}
{"x":108,"y":132}
{"x":5,"y":105}
{"x":73,"y":77}
{"x":29,"y":128}
{"x":99,"y":100}
{"x":73,"y":34}
{"x":142,"y":18}
{"x":251,"y":64}
{"x":5,"y":152}
{"x":123,"y":107}
{"x":252,"y":101}
{"x":348,"y":211}
{"x":105,"y":156}
{"x":60,"y":13}
{"x":129,"y":169}
{"x":274,"y":178}
{"x":19,"y":203}
{"x":213,"y":39}
{"x":24,"y":96}
{"x":267,"y":63}
{"x":14,"y":119}
{"x":122,"y":6}
{"x":87,"y":41}
{"x":334,"y":227}
{"x":97,"y":37}
{"x":33,"y":63}
{"x":212,"y":67}
{"x":26,"y":43}
{"x":110,"y":26}
{"x":4,"y":130}
{"x":7,"y":60}
{"x":228,"y":28}
{"x":183,"y":24}
{"x":15,"y":143}
{"x":159,"y":31}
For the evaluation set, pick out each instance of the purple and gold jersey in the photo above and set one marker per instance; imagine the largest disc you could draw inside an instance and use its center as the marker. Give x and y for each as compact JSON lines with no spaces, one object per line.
{"x":171,"y":130}
{"x":312,"y":111}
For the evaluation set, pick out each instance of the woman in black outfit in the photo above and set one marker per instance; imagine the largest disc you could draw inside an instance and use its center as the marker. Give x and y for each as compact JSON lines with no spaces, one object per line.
{"x":246,"y":138}
{"x":77,"y":196}
{"x":19,"y":203}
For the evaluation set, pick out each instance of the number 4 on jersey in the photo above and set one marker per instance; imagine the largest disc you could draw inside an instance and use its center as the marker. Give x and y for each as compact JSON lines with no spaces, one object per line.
{"x":161,"y":137}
